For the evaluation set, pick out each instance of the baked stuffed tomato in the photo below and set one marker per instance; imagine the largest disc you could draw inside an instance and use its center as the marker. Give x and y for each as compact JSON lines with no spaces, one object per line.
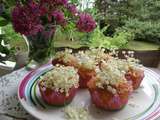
{"x":111,"y":97}
{"x":109,"y":90}
{"x":135,"y":76}
{"x":58,"y":86}
{"x":86,"y":68}
{"x":134,"y":73}
{"x":65,"y":58}
{"x":85,"y":75}
{"x":98,"y":55}
{"x":87,"y":62}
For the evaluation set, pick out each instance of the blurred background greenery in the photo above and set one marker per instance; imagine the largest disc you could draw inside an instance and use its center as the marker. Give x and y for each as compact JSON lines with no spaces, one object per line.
{"x":129,"y":24}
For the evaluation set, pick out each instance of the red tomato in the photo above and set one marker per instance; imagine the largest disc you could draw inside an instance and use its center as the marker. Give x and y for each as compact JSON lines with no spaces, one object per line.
{"x":104,"y":99}
{"x":53,"y":97}
{"x":85,"y":75}
{"x":135,"y":76}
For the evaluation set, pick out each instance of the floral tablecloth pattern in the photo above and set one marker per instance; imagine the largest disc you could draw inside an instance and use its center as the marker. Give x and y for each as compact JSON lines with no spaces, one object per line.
{"x":10,"y":108}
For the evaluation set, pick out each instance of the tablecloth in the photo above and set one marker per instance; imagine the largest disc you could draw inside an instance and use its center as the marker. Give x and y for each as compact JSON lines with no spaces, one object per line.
{"x":10,"y":108}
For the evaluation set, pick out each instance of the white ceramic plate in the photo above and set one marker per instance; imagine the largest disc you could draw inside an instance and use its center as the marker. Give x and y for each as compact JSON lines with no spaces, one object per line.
{"x":144,"y":103}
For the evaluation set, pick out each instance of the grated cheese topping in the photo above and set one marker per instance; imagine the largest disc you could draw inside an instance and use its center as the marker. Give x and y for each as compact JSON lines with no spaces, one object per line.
{"x":98,"y":54}
{"x":90,"y":58}
{"x":134,"y":63}
{"x":109,"y":74}
{"x":76,"y":113}
{"x":125,"y":64}
{"x":112,"y":72}
{"x":85,"y":60}
{"x":65,"y":55}
{"x":61,"y":79}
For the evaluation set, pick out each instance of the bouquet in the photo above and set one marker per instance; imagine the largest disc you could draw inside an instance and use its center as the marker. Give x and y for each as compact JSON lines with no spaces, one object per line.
{"x":39,"y":19}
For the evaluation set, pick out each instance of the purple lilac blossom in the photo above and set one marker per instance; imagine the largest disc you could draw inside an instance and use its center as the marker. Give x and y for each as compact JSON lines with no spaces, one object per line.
{"x":59,"y":17}
{"x":86,"y":23}
{"x":26,"y":19}
{"x":72,"y":9}
{"x":31,"y":18}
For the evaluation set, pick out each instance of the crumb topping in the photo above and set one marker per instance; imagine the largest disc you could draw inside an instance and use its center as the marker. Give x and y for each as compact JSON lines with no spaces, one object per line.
{"x":76,"y":113}
{"x":85,"y":60}
{"x":134,"y":63}
{"x":64,"y":55}
{"x":90,"y":58}
{"x":109,"y":74}
{"x":112,"y":72}
{"x":60,"y":79}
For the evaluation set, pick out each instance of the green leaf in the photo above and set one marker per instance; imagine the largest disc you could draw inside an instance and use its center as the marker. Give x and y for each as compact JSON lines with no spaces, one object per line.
{"x":6,"y":16}
{"x":10,"y":3}
{"x":3,"y":22}
{"x":4,"y":50}
{"x":1,"y":36}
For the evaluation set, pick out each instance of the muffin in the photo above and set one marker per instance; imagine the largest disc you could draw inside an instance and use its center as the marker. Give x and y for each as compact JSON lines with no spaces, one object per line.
{"x":109,"y":90}
{"x":65,"y":58}
{"x":131,"y":68}
{"x":58,"y":86}
{"x":87,"y":62}
{"x":98,"y":55}
{"x":86,"y":68}
{"x":135,"y":73}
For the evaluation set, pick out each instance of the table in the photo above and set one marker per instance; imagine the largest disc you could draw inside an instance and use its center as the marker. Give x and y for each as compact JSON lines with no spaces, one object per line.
{"x":10,"y":108}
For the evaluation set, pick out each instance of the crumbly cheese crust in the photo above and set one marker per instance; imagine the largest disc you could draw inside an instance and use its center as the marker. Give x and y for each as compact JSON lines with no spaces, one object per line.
{"x":61,"y":79}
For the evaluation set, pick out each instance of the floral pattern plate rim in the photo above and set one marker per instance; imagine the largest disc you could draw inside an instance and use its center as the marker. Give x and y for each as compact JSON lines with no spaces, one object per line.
{"x":144,"y":103}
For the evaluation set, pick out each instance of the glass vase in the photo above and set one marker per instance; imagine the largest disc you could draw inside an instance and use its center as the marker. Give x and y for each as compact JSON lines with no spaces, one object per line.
{"x":40,"y":48}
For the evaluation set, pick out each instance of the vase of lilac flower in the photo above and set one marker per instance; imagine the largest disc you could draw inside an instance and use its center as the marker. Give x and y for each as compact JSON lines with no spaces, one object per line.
{"x":38,"y":20}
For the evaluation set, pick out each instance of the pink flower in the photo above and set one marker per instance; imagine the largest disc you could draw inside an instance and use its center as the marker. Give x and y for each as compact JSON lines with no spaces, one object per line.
{"x":43,"y":10}
{"x":72,"y":9}
{"x":33,"y":17}
{"x":26,"y":19}
{"x":86,"y":23}
{"x":59,"y":17}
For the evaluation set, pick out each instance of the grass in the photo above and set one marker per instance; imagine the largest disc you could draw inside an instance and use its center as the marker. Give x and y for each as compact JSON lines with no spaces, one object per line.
{"x":140,"y":45}
{"x":68,"y":43}
{"x":17,"y":41}
{"x":133,"y":45}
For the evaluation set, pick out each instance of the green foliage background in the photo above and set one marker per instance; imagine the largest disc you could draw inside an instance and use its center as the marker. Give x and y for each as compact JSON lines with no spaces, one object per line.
{"x":118,"y":23}
{"x":141,"y":17}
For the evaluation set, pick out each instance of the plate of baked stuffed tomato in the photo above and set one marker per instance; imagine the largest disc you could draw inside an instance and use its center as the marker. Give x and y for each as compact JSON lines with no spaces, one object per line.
{"x":91,"y":85}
